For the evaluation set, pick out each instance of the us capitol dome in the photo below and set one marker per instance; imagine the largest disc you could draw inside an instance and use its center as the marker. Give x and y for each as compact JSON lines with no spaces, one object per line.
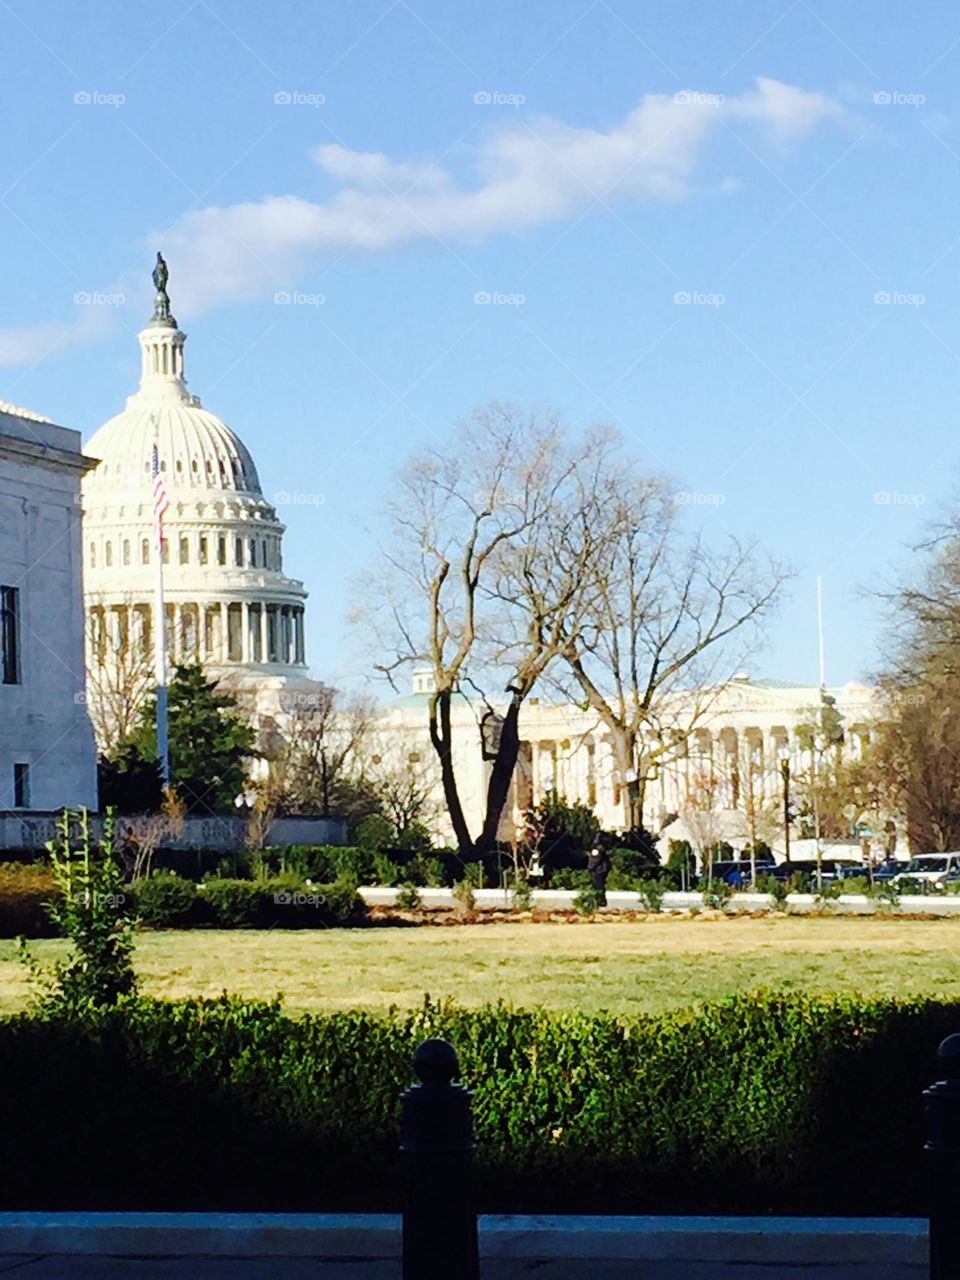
{"x":228,"y":604}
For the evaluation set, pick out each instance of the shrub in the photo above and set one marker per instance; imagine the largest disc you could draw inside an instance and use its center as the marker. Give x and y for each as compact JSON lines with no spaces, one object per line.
{"x":91,"y":909}
{"x":26,"y":892}
{"x":651,"y":894}
{"x":426,"y":871}
{"x":522,"y":897}
{"x":856,"y":884}
{"x":886,"y":894}
{"x":385,"y":870}
{"x":408,"y":897}
{"x":375,"y":833}
{"x":716,"y":894}
{"x":463,"y":895}
{"x":778,"y":890}
{"x":570,"y":878}
{"x":165,"y":900}
{"x":231,"y":903}
{"x":743,"y":1106}
{"x":587,"y":901}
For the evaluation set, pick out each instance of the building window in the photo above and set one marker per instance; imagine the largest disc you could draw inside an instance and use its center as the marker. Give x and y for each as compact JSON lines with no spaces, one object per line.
{"x":126,"y":551}
{"x":253,"y":553}
{"x":108,"y":553}
{"x":202,"y":549}
{"x":144,"y":550}
{"x":10,"y":635}
{"x":21,"y":786}
{"x":263,"y":554}
{"x":184,"y":549}
{"x":222,"y":549}
{"x":165,"y":553}
{"x":238,"y":552}
{"x":93,"y":555}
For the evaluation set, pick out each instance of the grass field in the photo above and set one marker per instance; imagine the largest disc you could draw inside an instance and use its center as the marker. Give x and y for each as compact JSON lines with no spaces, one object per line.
{"x":659,"y":964}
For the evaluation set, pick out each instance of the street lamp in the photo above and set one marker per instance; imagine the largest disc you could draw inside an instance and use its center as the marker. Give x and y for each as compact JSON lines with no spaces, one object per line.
{"x":491,"y":730}
{"x":783,"y":755}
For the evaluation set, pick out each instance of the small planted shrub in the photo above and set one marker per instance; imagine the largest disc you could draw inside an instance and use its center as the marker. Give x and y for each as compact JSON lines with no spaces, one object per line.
{"x":778,"y":890}
{"x":587,"y":901}
{"x":651,"y":894}
{"x":522,"y":895}
{"x":716,"y":895}
{"x":426,"y":871}
{"x":165,"y":900}
{"x":92,"y":909}
{"x":464,"y":896}
{"x":408,"y":897}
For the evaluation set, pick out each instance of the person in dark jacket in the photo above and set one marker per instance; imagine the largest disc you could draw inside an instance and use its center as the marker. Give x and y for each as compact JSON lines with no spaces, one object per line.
{"x":598,"y":868}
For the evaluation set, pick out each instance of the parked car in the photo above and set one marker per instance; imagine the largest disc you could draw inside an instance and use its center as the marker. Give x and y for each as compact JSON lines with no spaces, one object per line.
{"x":851,"y":871}
{"x":830,"y":869}
{"x":889,"y":870}
{"x":929,"y":869}
{"x":736,"y":874}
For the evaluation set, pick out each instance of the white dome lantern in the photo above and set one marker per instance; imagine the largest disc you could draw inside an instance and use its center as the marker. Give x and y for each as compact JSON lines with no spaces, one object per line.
{"x":228,"y":603}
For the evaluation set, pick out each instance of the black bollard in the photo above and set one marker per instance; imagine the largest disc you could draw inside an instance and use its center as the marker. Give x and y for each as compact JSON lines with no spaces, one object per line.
{"x":436,"y":1142}
{"x":942,"y":1104}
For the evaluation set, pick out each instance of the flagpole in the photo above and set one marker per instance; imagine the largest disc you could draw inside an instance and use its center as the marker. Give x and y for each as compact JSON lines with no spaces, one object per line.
{"x":160,"y":650}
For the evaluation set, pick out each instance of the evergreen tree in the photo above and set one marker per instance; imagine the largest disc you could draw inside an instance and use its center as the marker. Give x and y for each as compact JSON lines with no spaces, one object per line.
{"x":210,"y":741}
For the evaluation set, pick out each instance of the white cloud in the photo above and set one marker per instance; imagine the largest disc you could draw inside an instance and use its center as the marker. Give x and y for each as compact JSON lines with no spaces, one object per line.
{"x":528,"y":174}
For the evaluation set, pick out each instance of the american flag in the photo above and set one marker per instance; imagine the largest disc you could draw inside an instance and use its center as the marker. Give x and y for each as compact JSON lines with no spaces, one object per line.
{"x":160,"y":499}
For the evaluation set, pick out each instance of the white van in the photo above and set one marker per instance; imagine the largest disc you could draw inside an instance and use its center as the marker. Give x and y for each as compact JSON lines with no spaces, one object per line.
{"x":931,"y":868}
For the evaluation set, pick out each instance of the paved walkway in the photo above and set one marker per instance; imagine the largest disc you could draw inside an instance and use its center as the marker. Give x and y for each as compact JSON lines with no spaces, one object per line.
{"x":54,"y":1267}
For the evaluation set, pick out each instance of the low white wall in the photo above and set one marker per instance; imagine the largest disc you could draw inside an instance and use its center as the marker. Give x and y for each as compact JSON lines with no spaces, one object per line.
{"x":850,"y":904}
{"x":32,"y":831}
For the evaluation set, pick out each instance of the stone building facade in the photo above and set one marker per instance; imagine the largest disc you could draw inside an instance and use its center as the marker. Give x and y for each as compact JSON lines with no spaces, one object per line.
{"x":47,"y":755}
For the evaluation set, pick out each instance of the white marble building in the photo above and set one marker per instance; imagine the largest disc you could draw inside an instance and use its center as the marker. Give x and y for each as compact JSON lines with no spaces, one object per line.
{"x":227,"y":601}
{"x":737,"y":744}
{"x":47,"y":755}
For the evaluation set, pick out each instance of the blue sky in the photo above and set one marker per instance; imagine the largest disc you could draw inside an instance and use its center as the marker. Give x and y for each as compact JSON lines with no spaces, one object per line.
{"x":381,"y":163}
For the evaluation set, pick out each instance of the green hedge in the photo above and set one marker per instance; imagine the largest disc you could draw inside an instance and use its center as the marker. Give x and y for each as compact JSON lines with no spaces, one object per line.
{"x":167,"y":901}
{"x":760,"y":1103}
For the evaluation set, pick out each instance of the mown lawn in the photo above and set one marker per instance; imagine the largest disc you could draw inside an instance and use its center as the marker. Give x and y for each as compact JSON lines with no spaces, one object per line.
{"x":647,"y":966}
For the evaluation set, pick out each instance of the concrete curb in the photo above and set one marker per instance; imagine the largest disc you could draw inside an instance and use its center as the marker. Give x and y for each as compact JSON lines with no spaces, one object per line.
{"x":770,"y":1241}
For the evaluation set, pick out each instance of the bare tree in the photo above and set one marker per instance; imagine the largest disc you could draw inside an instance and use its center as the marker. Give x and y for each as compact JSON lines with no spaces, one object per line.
{"x":314,"y":748}
{"x":120,"y":672}
{"x":700,"y":812}
{"x":404,"y":779}
{"x":468,"y":525}
{"x":674,"y":620}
